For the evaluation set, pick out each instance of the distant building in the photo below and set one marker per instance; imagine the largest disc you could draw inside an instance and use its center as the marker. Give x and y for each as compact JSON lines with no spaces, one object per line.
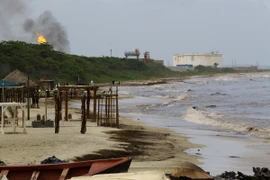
{"x":192,"y":60}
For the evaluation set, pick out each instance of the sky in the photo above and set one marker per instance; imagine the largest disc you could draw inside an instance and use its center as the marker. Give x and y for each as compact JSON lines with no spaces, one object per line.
{"x":239,"y":29}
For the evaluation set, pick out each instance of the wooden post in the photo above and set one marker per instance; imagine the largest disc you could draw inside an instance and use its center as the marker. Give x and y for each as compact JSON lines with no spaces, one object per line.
{"x":46,"y":108}
{"x":88,"y":104}
{"x":106,"y":110}
{"x":109,"y":109}
{"x":60,"y":105}
{"x":23,"y":117}
{"x":98,"y":112}
{"x":116,"y":107}
{"x":95,"y":105}
{"x":28,"y":99}
{"x":57,"y":114}
{"x":66,"y":105}
{"x":3,"y":92}
{"x":83,"y":126}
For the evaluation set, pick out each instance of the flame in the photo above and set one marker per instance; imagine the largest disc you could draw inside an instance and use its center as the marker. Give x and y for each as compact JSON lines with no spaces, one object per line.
{"x":41,"y":39}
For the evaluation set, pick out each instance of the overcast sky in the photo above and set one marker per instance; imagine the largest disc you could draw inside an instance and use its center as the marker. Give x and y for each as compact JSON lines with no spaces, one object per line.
{"x":239,"y":29}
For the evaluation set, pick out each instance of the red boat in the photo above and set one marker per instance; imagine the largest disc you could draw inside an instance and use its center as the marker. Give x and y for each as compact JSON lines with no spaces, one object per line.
{"x":64,"y":171}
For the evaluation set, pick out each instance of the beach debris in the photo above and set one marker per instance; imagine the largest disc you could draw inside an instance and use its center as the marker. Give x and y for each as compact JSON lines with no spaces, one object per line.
{"x":211,"y":106}
{"x":218,"y":93}
{"x":2,"y":163}
{"x":249,"y":129}
{"x":234,"y":157}
{"x":53,"y":160}
{"x":259,"y":174}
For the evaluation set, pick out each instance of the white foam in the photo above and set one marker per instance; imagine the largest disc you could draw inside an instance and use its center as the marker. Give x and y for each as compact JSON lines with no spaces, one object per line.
{"x":183,"y":97}
{"x":212,"y":119}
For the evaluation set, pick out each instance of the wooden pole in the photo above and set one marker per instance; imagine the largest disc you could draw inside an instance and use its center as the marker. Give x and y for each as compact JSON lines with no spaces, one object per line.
{"x":46,"y":108}
{"x":98,"y":112}
{"x":57,"y":115}
{"x":95,"y":105}
{"x":83,"y":126}
{"x":66,"y":105}
{"x":28,"y":99}
{"x":88,"y":104}
{"x":111,"y":107}
{"x":106,"y":110}
{"x":3,"y":92}
{"x":116,"y":107}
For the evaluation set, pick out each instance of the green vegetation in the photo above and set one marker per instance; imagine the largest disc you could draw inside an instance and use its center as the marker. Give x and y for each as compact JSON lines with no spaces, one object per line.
{"x":41,"y":61}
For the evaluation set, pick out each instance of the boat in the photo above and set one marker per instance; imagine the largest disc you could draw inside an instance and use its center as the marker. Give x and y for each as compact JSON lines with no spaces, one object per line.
{"x":64,"y":171}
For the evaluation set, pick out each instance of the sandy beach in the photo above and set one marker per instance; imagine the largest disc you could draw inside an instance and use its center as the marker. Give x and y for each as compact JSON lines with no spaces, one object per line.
{"x":151,"y":148}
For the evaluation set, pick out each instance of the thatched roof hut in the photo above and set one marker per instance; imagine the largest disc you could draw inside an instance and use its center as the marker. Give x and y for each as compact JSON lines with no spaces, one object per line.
{"x":20,"y":78}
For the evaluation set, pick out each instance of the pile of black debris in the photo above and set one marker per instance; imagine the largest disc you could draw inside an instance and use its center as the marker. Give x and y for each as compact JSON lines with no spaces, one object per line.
{"x":2,"y":163}
{"x":53,"y":160}
{"x":259,"y":174}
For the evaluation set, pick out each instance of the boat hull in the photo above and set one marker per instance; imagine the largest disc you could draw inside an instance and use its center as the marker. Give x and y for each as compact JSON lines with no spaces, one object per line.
{"x":65,"y":170}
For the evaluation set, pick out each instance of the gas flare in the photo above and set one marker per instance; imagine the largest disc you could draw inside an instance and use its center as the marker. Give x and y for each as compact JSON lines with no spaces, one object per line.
{"x":41,"y":39}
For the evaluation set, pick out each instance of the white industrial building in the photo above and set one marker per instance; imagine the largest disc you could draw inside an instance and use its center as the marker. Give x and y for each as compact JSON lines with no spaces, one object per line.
{"x":192,"y":60}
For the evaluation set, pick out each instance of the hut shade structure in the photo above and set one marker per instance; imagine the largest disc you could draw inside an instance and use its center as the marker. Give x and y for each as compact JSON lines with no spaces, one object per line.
{"x":20,"y":78}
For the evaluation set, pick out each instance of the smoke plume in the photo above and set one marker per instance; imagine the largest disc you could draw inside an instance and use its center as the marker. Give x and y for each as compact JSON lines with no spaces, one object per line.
{"x":14,"y":25}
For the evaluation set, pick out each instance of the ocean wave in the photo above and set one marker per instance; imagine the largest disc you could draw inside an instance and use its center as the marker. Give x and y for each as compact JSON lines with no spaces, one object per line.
{"x":203,"y":117}
{"x":226,"y":78}
{"x":176,"y":99}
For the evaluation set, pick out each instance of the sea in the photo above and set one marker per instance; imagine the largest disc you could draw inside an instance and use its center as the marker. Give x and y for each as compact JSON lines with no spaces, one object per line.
{"x":228,"y":114}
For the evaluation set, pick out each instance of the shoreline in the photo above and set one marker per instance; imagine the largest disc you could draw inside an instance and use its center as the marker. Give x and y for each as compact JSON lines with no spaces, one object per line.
{"x":41,"y":143}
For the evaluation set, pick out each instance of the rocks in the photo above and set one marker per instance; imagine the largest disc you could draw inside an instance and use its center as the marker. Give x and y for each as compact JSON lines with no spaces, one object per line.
{"x":259,"y":174}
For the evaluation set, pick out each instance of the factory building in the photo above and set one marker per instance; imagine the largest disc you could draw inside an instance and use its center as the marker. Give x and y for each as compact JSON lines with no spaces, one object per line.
{"x":192,"y":60}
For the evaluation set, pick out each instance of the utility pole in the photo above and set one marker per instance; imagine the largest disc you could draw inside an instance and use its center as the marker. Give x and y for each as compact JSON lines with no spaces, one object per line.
{"x":111,"y":52}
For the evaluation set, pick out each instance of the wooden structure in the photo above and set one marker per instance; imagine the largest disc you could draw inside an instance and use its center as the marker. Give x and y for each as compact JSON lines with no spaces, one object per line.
{"x":12,"y":93}
{"x":14,"y":118}
{"x":108,"y":110}
{"x":30,"y":88}
{"x":46,"y":87}
{"x":64,"y":171}
{"x":62,"y":93}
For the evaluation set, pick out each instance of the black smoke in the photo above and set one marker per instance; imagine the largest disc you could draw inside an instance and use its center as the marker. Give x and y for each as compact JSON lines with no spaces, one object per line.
{"x":50,"y":28}
{"x":15,"y":24}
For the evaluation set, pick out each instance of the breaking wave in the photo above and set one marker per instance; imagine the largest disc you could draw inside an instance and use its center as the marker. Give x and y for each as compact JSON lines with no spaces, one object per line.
{"x":203,"y":117}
